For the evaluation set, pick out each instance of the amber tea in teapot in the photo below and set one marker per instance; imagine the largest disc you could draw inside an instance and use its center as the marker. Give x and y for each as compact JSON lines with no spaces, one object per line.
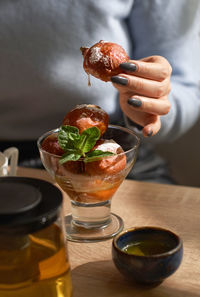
{"x":33,"y":255}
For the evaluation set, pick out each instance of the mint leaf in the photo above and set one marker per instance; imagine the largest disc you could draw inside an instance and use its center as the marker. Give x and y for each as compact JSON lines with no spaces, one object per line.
{"x":68,"y":136}
{"x":96,"y":155}
{"x":88,"y":139}
{"x":76,"y":146}
{"x":69,"y":157}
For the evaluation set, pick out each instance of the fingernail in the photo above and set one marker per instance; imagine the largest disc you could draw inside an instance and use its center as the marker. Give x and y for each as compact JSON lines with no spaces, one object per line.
{"x":128,"y":67}
{"x":150,"y":133}
{"x":134,"y":102}
{"x":119,"y":80}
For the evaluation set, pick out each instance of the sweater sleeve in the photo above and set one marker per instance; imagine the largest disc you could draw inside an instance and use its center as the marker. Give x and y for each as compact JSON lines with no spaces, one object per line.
{"x":171,"y":29}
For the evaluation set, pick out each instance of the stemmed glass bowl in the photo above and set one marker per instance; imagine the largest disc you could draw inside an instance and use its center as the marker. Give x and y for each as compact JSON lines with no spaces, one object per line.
{"x":91,"y":190}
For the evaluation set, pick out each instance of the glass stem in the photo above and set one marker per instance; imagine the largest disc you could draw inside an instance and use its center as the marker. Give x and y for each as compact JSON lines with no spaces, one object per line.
{"x":96,"y":215}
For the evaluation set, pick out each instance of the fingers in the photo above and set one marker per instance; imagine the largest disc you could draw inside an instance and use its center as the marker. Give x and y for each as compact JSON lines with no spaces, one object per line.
{"x":150,"y":122}
{"x":141,"y":86}
{"x":145,"y":112}
{"x":150,"y":105}
{"x":144,"y":86}
{"x":149,"y":77}
{"x":152,"y":128}
{"x":154,"y":67}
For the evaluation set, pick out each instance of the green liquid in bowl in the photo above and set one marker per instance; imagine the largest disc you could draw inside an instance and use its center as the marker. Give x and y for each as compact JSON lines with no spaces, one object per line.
{"x":147,"y":248}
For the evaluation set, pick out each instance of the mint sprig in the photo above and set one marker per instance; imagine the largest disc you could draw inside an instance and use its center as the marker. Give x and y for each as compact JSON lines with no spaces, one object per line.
{"x":88,"y":139}
{"x":68,"y":137}
{"x":76,"y":146}
{"x":96,"y":155}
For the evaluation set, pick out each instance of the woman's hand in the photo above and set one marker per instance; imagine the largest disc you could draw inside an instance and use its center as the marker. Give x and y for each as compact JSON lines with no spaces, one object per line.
{"x":144,"y":91}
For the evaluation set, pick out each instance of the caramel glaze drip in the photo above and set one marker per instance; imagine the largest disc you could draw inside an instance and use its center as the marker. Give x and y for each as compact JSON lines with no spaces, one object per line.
{"x":89,"y":82}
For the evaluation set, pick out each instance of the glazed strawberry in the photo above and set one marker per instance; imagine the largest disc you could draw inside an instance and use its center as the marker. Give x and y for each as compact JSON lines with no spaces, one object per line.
{"x":102,"y":60}
{"x":51,"y":145}
{"x":111,"y":165}
{"x":85,"y":116}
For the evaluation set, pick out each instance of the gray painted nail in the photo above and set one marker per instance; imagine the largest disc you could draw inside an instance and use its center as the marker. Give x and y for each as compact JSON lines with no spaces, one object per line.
{"x":128,"y":67}
{"x":135,"y":102}
{"x":119,"y":80}
{"x":149,"y":134}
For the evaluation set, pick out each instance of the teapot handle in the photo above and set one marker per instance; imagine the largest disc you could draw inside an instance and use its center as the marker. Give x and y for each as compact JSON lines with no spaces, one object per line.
{"x":12,"y":154}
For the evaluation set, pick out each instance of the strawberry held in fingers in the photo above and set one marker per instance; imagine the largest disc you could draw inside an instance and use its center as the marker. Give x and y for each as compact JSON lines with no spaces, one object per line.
{"x":102,"y":60}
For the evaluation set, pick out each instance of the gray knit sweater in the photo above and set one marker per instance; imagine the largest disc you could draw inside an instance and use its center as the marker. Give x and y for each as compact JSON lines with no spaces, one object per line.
{"x":41,"y":74}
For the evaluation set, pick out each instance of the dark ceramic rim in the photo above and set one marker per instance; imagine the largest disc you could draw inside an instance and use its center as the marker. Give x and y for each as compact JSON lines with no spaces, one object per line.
{"x":162,"y":255}
{"x":42,"y":137}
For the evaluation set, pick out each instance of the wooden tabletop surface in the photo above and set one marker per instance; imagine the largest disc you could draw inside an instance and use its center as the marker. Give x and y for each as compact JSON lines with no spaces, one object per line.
{"x":139,"y":204}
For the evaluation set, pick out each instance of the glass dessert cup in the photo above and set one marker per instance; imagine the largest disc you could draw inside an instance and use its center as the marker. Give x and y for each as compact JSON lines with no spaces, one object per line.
{"x":91,"y":190}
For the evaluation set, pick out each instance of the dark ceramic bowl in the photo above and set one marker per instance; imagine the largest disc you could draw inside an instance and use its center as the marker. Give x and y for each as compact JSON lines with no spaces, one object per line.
{"x":159,"y":256}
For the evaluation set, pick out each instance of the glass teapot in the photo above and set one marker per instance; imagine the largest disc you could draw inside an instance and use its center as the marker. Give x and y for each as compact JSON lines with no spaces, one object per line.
{"x":33,"y":256}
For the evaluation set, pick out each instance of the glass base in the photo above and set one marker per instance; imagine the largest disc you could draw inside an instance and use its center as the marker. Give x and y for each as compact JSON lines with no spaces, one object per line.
{"x":82,"y":234}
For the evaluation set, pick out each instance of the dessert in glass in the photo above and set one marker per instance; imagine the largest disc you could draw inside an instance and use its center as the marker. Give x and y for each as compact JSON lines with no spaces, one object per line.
{"x":89,"y":159}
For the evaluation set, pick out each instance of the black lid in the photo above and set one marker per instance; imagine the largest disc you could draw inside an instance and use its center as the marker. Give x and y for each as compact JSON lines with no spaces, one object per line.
{"x":17,"y":197}
{"x":27,"y":204}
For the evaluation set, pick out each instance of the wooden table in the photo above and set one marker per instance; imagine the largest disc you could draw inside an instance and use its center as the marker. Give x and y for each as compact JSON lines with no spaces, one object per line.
{"x":174,"y":207}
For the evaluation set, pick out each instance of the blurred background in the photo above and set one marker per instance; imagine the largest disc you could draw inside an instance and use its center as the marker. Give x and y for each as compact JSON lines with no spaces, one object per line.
{"x":183,"y":156}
